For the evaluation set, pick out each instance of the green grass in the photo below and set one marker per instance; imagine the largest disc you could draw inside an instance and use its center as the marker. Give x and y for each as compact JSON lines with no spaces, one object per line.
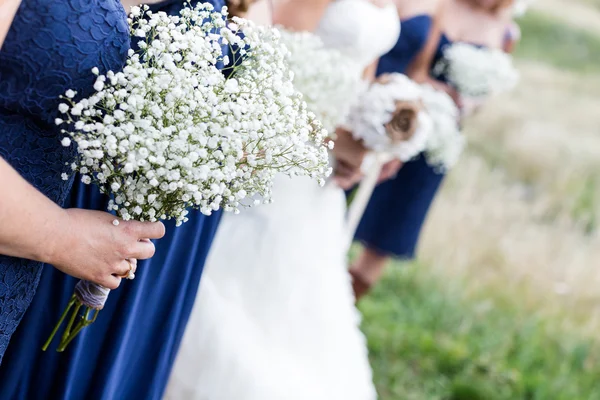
{"x":427,"y":342}
{"x":548,"y":40}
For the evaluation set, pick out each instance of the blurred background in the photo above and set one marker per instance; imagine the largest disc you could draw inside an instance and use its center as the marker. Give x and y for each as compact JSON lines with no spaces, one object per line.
{"x":504,"y":302}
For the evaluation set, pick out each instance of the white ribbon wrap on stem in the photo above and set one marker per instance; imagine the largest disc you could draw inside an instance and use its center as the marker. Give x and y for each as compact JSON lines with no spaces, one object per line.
{"x":91,"y":294}
{"x":371,"y":165}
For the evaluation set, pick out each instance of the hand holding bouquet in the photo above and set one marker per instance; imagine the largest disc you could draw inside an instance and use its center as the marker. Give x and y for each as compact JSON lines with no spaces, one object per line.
{"x":172,"y":132}
{"x":390,"y":118}
{"x":391,"y":121}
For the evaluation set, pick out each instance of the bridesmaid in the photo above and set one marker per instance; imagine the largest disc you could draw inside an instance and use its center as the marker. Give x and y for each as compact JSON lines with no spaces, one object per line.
{"x":128,"y":352}
{"x":48,"y":49}
{"x":394,"y":217}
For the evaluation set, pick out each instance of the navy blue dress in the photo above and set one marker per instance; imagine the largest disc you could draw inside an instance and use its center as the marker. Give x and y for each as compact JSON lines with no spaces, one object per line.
{"x":51,"y":47}
{"x":395,"y":214}
{"x":129,"y":351}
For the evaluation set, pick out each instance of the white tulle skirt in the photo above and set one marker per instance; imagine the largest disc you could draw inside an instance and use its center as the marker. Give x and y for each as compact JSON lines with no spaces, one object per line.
{"x":275,"y":316}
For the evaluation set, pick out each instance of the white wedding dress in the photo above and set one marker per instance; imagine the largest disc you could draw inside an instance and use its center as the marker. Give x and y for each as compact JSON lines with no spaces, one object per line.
{"x":275,"y":318}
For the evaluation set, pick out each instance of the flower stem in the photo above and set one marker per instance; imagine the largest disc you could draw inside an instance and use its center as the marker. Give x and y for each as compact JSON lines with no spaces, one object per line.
{"x":72,"y":329}
{"x":83,"y":322}
{"x":67,"y":331}
{"x":60,"y":321}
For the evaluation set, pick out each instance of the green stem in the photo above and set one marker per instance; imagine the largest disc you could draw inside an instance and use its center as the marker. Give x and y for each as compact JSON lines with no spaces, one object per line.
{"x":83,"y":322}
{"x":67,"y":331}
{"x":80,"y":325}
{"x":60,"y":321}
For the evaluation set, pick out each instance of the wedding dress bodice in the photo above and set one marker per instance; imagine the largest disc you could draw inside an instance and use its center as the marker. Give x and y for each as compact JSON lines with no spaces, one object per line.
{"x":360,"y":29}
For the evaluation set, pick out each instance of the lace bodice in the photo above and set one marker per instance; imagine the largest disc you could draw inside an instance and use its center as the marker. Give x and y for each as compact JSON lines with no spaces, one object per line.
{"x":360,"y":29}
{"x":51,"y":47}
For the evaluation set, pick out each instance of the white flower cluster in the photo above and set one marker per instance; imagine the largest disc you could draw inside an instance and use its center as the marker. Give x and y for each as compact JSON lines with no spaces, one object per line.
{"x":171,"y":132}
{"x":445,"y":143}
{"x":329,"y":81}
{"x":478,"y":71}
{"x":374,"y":110}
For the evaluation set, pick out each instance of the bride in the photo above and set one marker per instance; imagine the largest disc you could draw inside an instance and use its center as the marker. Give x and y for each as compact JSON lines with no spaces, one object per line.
{"x":275,"y":318}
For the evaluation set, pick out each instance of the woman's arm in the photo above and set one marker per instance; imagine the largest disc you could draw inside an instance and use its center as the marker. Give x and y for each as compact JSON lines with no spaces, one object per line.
{"x":300,"y":15}
{"x":81,"y":243}
{"x":8,"y":9}
{"x":420,"y":69}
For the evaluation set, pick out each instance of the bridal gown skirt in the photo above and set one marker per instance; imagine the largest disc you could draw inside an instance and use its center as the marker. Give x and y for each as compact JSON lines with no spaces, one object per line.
{"x":275,"y":316}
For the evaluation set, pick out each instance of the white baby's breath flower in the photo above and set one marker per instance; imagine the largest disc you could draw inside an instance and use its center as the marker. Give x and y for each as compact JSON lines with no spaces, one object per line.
{"x":375,"y":109}
{"x":66,"y":142}
{"x":172,"y":132}
{"x":478,"y":71}
{"x":445,"y":143}
{"x":99,"y":85}
{"x":329,"y":81}
{"x":135,"y":11}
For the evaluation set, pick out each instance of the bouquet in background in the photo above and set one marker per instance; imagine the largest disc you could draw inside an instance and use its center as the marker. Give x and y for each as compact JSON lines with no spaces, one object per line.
{"x":172,"y":132}
{"x":478,"y":71}
{"x":390,"y":118}
{"x":391,"y":121}
{"x":329,"y":81}
{"x":445,"y":142}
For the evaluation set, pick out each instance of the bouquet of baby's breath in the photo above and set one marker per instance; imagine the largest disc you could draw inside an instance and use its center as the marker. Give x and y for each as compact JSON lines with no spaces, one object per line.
{"x":390,"y":118}
{"x":391,"y":121}
{"x":172,"y":131}
{"x":478,"y":71}
{"x":329,"y":81}
{"x":445,"y":142}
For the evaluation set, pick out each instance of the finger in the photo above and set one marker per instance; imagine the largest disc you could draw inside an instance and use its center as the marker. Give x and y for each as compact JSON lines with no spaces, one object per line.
{"x":344,"y":169}
{"x":355,"y":178}
{"x":385,"y":175}
{"x":342,"y":182}
{"x":147,"y":230}
{"x":345,"y":183}
{"x":123,"y":269}
{"x":141,"y":250}
{"x":134,"y":263}
{"x":110,"y":282}
{"x":343,"y":172}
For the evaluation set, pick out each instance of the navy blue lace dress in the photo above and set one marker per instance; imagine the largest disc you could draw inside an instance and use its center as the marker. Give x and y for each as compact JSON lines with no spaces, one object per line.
{"x":395,"y":214}
{"x":129,"y":351}
{"x":51,"y":47}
